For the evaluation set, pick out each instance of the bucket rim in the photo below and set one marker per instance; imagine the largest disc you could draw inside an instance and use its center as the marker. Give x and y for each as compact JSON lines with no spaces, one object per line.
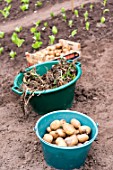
{"x":79,"y":72}
{"x":66,"y":148}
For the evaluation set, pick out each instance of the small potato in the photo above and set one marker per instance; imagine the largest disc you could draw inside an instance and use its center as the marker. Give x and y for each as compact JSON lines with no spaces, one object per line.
{"x":79,"y":144}
{"x":68,"y":129}
{"x":82,"y":138}
{"x":61,"y":133}
{"x":48,"y":138}
{"x":48,"y":129}
{"x":85,"y":129}
{"x":76,"y":132}
{"x":58,"y":46}
{"x":60,"y":142}
{"x":75,"y":123}
{"x":62,"y":121}
{"x":71,"y":141}
{"x":54,"y":134}
{"x":57,"y":54}
{"x":55,"y":125}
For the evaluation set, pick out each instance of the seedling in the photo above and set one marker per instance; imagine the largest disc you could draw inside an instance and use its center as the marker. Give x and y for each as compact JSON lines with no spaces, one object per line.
{"x":86,"y":15}
{"x":24,"y":7}
{"x":38,"y":4}
{"x":37,"y":23}
{"x":8,"y":1}
{"x":16,"y":40}
{"x":105,"y":10}
{"x":91,"y":7}
{"x":64,"y":17}
{"x":70,"y":23}
{"x":87,"y":26}
{"x":104,"y":2}
{"x":63,"y":11}
{"x":73,"y":33}
{"x":76,"y":13}
{"x":52,"y":15}
{"x":36,"y":36}
{"x":54,"y":30}
{"x":25,"y":1}
{"x":102,"y":20}
{"x":1,"y":50}
{"x":82,"y":6}
{"x":2,"y":34}
{"x":51,"y":39}
{"x":33,"y":30}
{"x":18,"y":29}
{"x":37,"y":44}
{"x":6,"y":11}
{"x":12,"y":54}
{"x":45,"y":24}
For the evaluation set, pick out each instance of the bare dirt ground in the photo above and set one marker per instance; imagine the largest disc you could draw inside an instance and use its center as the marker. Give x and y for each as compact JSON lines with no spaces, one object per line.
{"x":20,"y":148}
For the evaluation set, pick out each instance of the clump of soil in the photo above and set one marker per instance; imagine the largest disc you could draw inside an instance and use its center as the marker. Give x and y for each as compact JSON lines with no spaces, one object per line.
{"x":58,"y":75}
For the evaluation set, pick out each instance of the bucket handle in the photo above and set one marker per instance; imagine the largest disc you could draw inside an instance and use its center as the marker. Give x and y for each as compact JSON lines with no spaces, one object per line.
{"x":15,"y":89}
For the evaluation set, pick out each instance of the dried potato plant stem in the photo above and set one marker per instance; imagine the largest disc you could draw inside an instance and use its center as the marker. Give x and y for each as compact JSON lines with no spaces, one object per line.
{"x":72,"y":5}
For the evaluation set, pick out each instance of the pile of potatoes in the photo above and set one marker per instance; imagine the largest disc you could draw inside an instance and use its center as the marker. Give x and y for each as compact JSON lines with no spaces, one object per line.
{"x":66,"y":134}
{"x":50,"y":53}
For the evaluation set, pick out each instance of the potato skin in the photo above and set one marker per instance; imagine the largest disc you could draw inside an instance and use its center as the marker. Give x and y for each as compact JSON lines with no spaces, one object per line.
{"x":72,"y":140}
{"x":54,"y":134}
{"x":68,"y":129}
{"x":82,"y":138}
{"x":48,"y":138}
{"x":55,"y":125}
{"x":48,"y":129}
{"x":60,"y":142}
{"x":61,"y":133}
{"x":85,"y":129}
{"x":75,"y":123}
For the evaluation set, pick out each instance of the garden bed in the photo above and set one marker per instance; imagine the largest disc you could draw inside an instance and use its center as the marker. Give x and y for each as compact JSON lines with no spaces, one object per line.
{"x":20,"y":148}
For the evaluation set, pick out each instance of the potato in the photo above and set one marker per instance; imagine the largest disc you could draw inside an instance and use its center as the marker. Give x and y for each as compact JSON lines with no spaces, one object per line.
{"x":79,"y":144}
{"x":61,"y":133}
{"x":55,"y":125}
{"x":48,"y":129}
{"x":48,"y":138}
{"x":62,"y":121}
{"x":76,"y":132}
{"x":68,"y":129}
{"x":71,"y":141}
{"x":54,"y":134}
{"x":75,"y":123}
{"x":85,"y":129}
{"x":60,"y":142}
{"x":58,"y":46}
{"x":82,"y":138}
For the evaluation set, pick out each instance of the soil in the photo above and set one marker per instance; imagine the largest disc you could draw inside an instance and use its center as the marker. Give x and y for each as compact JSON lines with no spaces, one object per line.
{"x":20,"y":148}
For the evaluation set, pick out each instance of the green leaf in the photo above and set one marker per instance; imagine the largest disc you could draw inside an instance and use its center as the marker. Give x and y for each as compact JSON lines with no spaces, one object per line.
{"x":64,"y":17}
{"x":18,"y":29}
{"x":54,"y":30}
{"x":25,"y":1}
{"x":52,"y":15}
{"x":63,"y":10}
{"x":8,"y":1}
{"x":86,"y":15}
{"x":16,"y":40}
{"x":36,"y":36}
{"x":24,"y":7}
{"x":2,"y":34}
{"x":73,"y":33}
{"x":70,"y":23}
{"x":76,"y":13}
{"x":105,"y":10}
{"x":37,"y":23}
{"x":38,"y":4}
{"x":37,"y":44}
{"x":104,"y":2}
{"x":91,"y":6}
{"x":33,"y":29}
{"x":6,"y":11}
{"x":1,"y":50}
{"x":102,"y":20}
{"x":12,"y":54}
{"x":45,"y":24}
{"x":52,"y":39}
{"x":87,"y":25}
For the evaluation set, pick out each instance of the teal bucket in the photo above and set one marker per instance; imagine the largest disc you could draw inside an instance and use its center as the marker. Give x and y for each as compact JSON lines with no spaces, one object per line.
{"x":65,"y":158}
{"x":52,"y":99}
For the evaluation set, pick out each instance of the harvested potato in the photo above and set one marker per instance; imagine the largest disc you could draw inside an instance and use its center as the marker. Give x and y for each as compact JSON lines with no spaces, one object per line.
{"x":68,"y":129}
{"x":48,"y":129}
{"x":79,"y":144}
{"x":75,"y":123}
{"x":62,"y":121}
{"x":60,"y":142}
{"x":85,"y":129}
{"x":58,"y":46}
{"x":76,"y":132}
{"x":48,"y":138}
{"x":72,"y":140}
{"x":55,"y":125}
{"x":61,"y":133}
{"x":82,"y":138}
{"x":54,"y":134}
